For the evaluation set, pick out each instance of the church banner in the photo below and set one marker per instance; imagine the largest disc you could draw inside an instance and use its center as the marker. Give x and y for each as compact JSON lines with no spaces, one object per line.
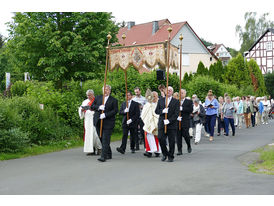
{"x":139,"y":55}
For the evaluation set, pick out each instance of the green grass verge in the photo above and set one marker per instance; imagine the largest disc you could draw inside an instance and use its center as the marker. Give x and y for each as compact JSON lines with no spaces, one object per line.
{"x":265,"y":164}
{"x":53,"y":147}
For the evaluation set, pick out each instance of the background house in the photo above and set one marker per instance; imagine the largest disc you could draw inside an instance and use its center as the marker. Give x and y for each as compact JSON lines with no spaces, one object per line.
{"x":194,"y":49}
{"x":221,"y":52}
{"x":262,"y":51}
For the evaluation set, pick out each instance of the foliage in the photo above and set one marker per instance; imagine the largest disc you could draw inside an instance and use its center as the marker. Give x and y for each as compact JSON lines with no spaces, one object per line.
{"x":269,"y":83}
{"x":60,"y":45}
{"x":201,"y":70}
{"x":206,"y":43}
{"x":185,"y":78}
{"x":257,"y":78}
{"x":200,"y":86}
{"x":1,"y":41}
{"x":237,"y":72}
{"x":253,"y":29}
{"x":19,"y":88}
{"x":216,"y":70}
{"x":13,"y":140}
{"x":43,"y":126}
{"x":232,"y":51}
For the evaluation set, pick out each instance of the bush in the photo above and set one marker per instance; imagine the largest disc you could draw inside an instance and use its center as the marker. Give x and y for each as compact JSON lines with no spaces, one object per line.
{"x":13,"y":140}
{"x":200,"y":86}
{"x":19,"y":88}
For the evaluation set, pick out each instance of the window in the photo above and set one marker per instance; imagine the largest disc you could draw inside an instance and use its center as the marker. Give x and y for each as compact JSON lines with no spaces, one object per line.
{"x":268,"y":45}
{"x":185,"y":60}
{"x":210,"y":58}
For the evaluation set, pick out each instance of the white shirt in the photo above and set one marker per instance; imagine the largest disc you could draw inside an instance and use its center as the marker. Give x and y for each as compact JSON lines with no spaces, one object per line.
{"x":168,"y":100}
{"x":129,"y":103}
{"x":106,"y":99}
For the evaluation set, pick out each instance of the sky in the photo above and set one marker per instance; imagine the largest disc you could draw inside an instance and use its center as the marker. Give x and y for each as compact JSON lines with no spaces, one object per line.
{"x":212,"y":20}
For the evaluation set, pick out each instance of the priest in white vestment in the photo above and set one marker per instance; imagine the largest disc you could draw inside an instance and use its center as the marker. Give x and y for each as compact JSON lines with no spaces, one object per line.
{"x":92,"y":143}
{"x":150,"y":119}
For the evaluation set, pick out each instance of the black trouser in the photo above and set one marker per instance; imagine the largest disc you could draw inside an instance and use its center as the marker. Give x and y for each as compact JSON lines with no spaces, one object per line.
{"x":133,"y":134}
{"x":253,"y":116}
{"x":171,"y":135}
{"x":221,"y":124}
{"x":106,"y":134}
{"x":142,"y":133}
{"x":184,"y":132}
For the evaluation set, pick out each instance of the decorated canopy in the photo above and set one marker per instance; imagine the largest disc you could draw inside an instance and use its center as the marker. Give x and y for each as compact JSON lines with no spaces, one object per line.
{"x":137,"y":55}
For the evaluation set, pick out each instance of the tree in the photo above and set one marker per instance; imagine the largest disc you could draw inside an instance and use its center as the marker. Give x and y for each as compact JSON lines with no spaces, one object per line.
{"x":59,"y":46}
{"x":216,"y":70}
{"x":1,"y":41}
{"x":256,"y":78}
{"x":185,"y":78}
{"x":201,"y":70}
{"x":206,"y":43}
{"x":237,"y":72}
{"x":252,"y":30}
{"x":269,"y":83}
{"x":232,"y":51}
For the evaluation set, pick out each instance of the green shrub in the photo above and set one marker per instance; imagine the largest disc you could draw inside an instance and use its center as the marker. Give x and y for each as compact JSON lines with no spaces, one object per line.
{"x":200,"y":86}
{"x":19,"y":88}
{"x":13,"y":140}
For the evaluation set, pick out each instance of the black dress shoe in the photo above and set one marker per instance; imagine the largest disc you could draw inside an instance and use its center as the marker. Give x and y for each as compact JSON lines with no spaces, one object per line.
{"x":189,"y":150}
{"x":179,"y":153}
{"x":163,"y":158}
{"x":170,"y":160}
{"x":157,"y":154}
{"x":108,"y":157}
{"x":137,"y":148}
{"x":133,"y":151}
{"x":147,"y":154}
{"x":120,"y":150}
{"x":233,"y":134}
{"x":101,"y":159}
{"x":90,"y":154}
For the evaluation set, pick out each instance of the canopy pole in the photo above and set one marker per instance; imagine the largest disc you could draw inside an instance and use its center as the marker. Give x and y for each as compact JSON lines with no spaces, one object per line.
{"x":180,"y":96}
{"x":168,"y":53}
{"x":105,"y":80}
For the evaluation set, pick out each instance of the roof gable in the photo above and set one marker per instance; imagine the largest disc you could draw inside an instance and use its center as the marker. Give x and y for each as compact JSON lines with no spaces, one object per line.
{"x":268,"y":30}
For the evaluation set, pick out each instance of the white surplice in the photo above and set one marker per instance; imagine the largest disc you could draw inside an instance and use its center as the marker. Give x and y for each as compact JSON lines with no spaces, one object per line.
{"x":150,"y":119}
{"x":91,"y":137}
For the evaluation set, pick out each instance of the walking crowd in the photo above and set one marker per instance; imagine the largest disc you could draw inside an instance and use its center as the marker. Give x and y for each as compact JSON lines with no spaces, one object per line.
{"x":160,"y":122}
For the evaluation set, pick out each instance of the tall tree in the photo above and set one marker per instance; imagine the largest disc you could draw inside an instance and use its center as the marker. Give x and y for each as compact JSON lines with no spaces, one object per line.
{"x":256,"y":78}
{"x":269,"y":83}
{"x":201,"y":70}
{"x":253,"y":29}
{"x":237,"y":72}
{"x":1,"y":41}
{"x":60,"y":45}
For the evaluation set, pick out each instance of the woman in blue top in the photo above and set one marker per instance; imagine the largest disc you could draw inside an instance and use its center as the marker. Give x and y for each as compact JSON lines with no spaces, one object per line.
{"x":211,"y":106}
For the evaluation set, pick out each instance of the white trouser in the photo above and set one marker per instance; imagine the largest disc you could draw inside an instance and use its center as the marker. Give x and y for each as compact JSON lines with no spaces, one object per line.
{"x":240,"y":120}
{"x":197,"y":132}
{"x":235,"y":119}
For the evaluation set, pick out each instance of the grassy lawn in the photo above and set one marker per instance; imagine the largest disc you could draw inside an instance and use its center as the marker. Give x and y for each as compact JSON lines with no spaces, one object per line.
{"x":265,"y":164}
{"x":58,"y":146}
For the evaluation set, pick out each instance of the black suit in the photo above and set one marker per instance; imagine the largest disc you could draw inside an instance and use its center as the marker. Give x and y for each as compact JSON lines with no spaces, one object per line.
{"x":185,"y":124}
{"x":111,"y":109}
{"x":173,"y":112}
{"x":133,"y":114}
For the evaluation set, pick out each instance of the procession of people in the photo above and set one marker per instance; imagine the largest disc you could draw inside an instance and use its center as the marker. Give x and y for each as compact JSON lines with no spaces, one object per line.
{"x":160,"y":122}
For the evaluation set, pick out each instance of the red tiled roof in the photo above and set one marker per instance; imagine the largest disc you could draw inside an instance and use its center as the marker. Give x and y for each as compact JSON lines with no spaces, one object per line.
{"x":142,"y":33}
{"x":217,"y":46}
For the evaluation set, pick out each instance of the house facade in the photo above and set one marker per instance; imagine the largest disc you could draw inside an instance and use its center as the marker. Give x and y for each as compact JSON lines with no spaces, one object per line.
{"x":193,"y":49}
{"x":221,"y":52}
{"x":262,"y":51}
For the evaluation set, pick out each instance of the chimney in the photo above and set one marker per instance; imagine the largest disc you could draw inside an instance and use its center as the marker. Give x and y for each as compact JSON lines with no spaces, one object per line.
{"x":155,"y":27}
{"x":130,"y":24}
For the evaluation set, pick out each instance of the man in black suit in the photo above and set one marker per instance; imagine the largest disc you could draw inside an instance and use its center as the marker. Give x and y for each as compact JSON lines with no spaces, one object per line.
{"x":186,"y":108}
{"x":172,"y":112}
{"x":130,"y":124}
{"x":105,"y":112}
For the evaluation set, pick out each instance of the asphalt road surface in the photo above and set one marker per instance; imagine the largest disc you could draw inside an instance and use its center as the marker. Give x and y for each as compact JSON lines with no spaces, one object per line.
{"x":211,"y":168}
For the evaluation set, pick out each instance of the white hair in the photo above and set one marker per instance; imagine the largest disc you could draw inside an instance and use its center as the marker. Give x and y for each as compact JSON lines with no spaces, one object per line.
{"x":183,"y":90}
{"x":107,"y":86}
{"x":90,"y":91}
{"x":171,"y":88}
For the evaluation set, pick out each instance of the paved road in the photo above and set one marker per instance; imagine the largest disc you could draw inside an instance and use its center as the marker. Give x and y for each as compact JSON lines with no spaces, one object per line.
{"x":212,"y":168}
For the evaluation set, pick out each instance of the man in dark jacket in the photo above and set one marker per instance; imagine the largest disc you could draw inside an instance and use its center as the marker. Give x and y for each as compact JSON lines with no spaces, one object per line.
{"x":186,"y":108}
{"x":105,"y":111}
{"x":129,"y":123}
{"x":172,"y":112}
